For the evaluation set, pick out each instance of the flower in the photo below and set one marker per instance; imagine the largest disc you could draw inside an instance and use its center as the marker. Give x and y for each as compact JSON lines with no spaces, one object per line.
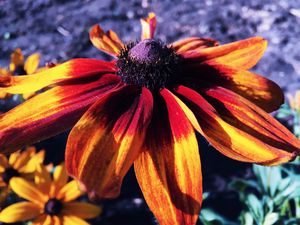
{"x":50,"y":201}
{"x":19,"y":66}
{"x":294,"y":101}
{"x":20,"y":164}
{"x":143,"y":108}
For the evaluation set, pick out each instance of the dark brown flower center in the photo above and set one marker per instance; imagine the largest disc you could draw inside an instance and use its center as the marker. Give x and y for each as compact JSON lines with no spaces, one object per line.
{"x":148,"y":63}
{"x":8,"y":174}
{"x":53,"y":206}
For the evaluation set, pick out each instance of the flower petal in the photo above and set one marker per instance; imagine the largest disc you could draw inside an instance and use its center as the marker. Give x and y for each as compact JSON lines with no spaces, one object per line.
{"x":20,"y":211}
{"x":69,"y":191}
{"x":193,"y":43}
{"x":81,"y":209}
{"x":242,"y":54}
{"x":241,"y":113}
{"x":50,"y":113}
{"x":60,"y":177}
{"x":108,"y":42}
{"x":3,"y":163}
{"x":73,"y":69}
{"x":40,"y":220}
{"x":236,"y":140}
{"x":169,"y":170}
{"x":27,"y":190}
{"x":116,"y":125}
{"x":43,"y":180}
{"x":33,"y":162}
{"x":23,"y":158}
{"x":32,"y":63}
{"x":148,"y":26}
{"x":257,"y":89}
{"x":73,"y":220}
{"x":16,"y":59}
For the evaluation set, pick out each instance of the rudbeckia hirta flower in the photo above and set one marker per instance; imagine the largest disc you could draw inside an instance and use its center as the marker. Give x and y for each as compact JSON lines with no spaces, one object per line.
{"x":144,"y":107}
{"x":19,"y":66}
{"x":19,"y":164}
{"x":50,"y":200}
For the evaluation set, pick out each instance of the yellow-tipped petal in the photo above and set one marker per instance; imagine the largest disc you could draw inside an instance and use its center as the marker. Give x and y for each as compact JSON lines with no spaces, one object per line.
{"x":32,"y":63}
{"x":21,"y":211}
{"x":148,"y":26}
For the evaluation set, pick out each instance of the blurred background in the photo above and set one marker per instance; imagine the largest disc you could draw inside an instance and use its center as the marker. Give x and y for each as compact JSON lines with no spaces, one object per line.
{"x":58,"y":30}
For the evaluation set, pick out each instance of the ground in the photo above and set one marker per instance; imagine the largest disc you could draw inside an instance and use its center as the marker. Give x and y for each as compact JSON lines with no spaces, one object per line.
{"x":58,"y":29}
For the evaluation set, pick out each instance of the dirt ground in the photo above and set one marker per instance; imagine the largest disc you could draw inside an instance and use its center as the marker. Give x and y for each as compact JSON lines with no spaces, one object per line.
{"x":58,"y":29}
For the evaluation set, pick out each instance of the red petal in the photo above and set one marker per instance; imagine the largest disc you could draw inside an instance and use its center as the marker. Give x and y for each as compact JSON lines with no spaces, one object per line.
{"x":50,"y":113}
{"x":260,"y":144}
{"x":107,"y":139}
{"x":242,"y":54}
{"x":168,"y":170}
{"x":73,"y":69}
{"x":193,"y":43}
{"x":257,"y":89}
{"x":148,"y":26}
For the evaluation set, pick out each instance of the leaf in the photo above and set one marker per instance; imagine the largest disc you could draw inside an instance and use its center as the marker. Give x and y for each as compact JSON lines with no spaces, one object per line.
{"x":271,"y":218}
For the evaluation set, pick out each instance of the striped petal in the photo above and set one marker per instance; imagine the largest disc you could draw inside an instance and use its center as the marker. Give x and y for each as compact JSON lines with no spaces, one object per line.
{"x":116,"y":125}
{"x":18,"y":212}
{"x":257,"y":89}
{"x":27,"y":190}
{"x":148,"y":26}
{"x":240,"y":140}
{"x":107,"y":42}
{"x":50,"y":113}
{"x":169,"y":170}
{"x":73,"y":69}
{"x":81,"y":209}
{"x":40,"y":220}
{"x":32,"y":63}
{"x":193,"y":44}
{"x":242,"y":54}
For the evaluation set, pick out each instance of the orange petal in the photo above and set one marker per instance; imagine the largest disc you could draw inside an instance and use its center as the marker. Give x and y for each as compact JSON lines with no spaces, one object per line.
{"x":73,"y":220}
{"x":148,"y":26}
{"x":169,"y":170}
{"x":3,"y":163}
{"x":108,"y":42}
{"x":237,"y":141}
{"x":241,"y":113}
{"x":116,"y":125}
{"x":50,"y":113}
{"x":193,"y":43}
{"x":242,"y":54}
{"x":32,"y":63}
{"x":73,"y":69}
{"x":257,"y":89}
{"x":16,"y":59}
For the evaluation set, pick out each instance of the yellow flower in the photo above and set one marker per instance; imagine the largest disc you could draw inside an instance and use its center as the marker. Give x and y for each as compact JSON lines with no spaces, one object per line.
{"x":49,"y":200}
{"x":20,"y":164}
{"x":19,"y":66}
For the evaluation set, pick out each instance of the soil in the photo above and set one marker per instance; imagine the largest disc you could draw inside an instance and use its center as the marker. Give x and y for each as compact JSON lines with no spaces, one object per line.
{"x":58,"y":29}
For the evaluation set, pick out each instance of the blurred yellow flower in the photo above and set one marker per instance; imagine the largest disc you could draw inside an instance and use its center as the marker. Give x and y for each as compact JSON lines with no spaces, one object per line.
{"x":19,"y":66}
{"x":20,"y":164}
{"x":49,"y":200}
